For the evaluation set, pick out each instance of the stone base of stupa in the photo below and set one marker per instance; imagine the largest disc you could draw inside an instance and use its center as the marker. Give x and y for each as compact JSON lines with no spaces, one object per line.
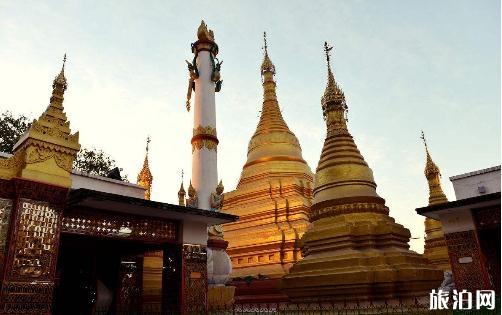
{"x":359,"y":256}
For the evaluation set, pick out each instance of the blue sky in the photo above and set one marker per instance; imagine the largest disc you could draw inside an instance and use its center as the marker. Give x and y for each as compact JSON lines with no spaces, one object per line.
{"x":404,"y":66}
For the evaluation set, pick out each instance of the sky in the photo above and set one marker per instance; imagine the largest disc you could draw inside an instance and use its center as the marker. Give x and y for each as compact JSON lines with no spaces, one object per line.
{"x":404,"y":66}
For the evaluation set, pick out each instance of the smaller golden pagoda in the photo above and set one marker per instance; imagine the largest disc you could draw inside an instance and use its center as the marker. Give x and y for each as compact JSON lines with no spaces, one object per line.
{"x":46,"y":151}
{"x":435,"y":244}
{"x":353,"y":250}
{"x":145,"y":178}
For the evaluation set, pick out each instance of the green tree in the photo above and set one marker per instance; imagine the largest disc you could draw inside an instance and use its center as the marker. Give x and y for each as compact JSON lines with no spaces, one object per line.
{"x":90,"y":161}
{"x":11,"y":129}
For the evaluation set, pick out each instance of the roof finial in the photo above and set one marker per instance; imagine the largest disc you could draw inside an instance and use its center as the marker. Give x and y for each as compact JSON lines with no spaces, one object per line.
{"x":425,"y":141}
{"x":182,"y":173}
{"x":327,"y":50}
{"x":265,"y":47}
{"x":266,"y":65}
{"x":64,"y":61}
{"x":148,"y":140}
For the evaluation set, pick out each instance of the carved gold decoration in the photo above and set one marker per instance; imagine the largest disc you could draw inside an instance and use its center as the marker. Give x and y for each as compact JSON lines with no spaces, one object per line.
{"x":5,"y":214}
{"x":195,"y":279}
{"x":36,"y":239}
{"x":217,"y":197}
{"x":193,"y":199}
{"x":204,"y":137}
{"x":204,"y":34}
{"x":119,"y":226}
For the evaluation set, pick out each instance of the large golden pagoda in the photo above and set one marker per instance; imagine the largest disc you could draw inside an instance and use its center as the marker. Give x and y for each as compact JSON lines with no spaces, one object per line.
{"x":435,"y":244}
{"x":273,"y":195}
{"x":145,"y":177}
{"x":354,"y":249}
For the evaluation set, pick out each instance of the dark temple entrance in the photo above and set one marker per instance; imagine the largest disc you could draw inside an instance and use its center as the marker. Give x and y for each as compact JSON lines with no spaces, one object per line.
{"x":108,"y":276}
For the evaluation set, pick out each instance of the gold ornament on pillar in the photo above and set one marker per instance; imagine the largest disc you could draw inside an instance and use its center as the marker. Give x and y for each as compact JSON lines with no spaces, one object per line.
{"x":217,"y":197}
{"x":145,"y":178}
{"x":353,"y":246}
{"x":46,"y":151}
{"x":435,"y":248}
{"x":193,"y":200}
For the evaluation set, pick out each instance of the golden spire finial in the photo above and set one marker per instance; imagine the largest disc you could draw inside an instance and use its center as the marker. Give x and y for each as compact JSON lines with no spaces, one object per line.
{"x":145,"y":178}
{"x":266,"y":65}
{"x":203,"y":33}
{"x":333,"y":98}
{"x":433,"y":175}
{"x":60,"y":80}
{"x":181,"y":192}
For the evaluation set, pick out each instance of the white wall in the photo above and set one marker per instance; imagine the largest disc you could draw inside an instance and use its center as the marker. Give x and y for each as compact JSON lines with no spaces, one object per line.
{"x":194,"y":233}
{"x":104,"y":184}
{"x":466,"y":186}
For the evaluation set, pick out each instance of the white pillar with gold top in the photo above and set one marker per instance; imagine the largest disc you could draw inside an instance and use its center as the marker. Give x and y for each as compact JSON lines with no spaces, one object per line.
{"x":205,"y":81}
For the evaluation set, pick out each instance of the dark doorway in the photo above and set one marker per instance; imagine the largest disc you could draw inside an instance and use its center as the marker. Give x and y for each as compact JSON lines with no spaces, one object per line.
{"x":100,"y":276}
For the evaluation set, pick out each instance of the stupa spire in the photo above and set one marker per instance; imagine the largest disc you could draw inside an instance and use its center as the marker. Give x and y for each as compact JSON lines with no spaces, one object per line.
{"x":181,"y":192}
{"x":145,"y":177}
{"x":272,"y":133}
{"x":433,"y":175}
{"x":435,"y":244}
{"x":340,"y":154}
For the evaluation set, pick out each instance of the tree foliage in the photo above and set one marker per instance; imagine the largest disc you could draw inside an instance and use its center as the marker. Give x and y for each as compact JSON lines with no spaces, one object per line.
{"x":11,"y":129}
{"x":90,"y":161}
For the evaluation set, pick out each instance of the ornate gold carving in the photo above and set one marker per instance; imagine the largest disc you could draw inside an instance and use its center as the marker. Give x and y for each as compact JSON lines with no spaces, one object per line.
{"x":193,"y":199}
{"x":358,"y":207}
{"x":217,"y":197}
{"x":118,"y":226}
{"x":204,"y":137}
{"x":203,"y":33}
{"x":36,"y":239}
{"x":5,"y":213}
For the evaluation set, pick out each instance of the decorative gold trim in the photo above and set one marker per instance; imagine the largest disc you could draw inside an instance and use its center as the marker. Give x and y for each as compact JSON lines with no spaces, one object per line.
{"x":204,"y":137}
{"x":275,"y":158}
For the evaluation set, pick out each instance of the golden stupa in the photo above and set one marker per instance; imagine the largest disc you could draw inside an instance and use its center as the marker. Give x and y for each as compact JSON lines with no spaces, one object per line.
{"x":354,"y":250}
{"x":435,"y":244}
{"x":272,"y":197}
{"x":145,"y":177}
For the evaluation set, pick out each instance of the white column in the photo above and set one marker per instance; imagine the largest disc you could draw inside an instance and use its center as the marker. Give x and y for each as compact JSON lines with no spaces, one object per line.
{"x":204,"y":160}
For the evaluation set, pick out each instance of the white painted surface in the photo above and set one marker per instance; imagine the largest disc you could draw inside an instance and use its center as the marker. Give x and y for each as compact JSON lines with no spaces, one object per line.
{"x":456,"y":220}
{"x":204,"y":161}
{"x":104,"y":184}
{"x":194,"y":233}
{"x":468,"y":185}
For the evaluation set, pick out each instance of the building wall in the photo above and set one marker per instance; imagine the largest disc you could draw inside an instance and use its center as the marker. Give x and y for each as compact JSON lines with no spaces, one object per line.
{"x":471,"y":184}
{"x":104,"y":184}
